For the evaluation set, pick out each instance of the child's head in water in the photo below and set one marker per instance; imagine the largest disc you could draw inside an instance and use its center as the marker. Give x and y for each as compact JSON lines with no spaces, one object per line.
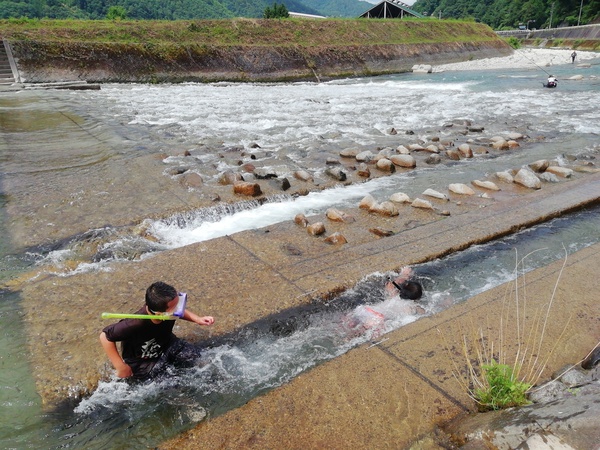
{"x":410,"y":290}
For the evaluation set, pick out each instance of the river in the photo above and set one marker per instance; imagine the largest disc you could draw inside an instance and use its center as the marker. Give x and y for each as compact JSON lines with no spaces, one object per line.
{"x":52,"y":195}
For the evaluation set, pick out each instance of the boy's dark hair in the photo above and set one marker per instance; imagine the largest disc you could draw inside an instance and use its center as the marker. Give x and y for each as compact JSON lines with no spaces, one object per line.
{"x":158,"y":296}
{"x":411,"y":290}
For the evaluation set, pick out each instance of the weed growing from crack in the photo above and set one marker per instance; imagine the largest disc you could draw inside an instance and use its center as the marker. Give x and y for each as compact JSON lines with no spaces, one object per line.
{"x":502,"y":359}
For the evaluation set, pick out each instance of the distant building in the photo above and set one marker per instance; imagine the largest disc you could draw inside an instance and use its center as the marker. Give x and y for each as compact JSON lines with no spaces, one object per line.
{"x":306,"y":16}
{"x":390,"y":9}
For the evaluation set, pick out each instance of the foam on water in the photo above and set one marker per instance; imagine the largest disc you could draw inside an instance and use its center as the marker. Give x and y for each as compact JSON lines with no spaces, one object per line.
{"x":172,"y":234}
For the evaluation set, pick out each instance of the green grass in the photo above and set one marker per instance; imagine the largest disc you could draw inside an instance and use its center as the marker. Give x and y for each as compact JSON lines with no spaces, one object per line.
{"x":257,"y":32}
{"x":502,"y":359}
{"x":502,"y":389}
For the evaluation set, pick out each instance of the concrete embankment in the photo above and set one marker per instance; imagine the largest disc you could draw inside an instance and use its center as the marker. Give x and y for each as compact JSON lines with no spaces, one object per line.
{"x":379,"y":49}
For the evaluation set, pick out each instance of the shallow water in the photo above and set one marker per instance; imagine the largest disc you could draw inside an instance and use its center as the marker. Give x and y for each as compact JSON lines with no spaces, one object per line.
{"x":299,"y":123}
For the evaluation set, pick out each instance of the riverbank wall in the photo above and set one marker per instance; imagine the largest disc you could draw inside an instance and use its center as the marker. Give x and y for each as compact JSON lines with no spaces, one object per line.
{"x":365,"y":52}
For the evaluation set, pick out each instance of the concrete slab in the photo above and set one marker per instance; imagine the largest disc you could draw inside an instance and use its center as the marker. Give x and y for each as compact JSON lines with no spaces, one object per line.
{"x":236,"y":279}
{"x":395,"y":394}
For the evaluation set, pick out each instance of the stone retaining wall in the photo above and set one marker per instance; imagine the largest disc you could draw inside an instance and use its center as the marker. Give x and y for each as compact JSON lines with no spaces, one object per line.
{"x":42,"y":62}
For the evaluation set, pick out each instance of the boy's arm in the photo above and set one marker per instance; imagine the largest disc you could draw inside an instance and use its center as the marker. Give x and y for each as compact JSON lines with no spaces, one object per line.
{"x":122,"y":369}
{"x":192,"y":317}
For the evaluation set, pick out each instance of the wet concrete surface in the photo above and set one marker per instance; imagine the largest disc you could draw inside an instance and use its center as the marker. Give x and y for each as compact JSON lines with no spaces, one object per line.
{"x":399,"y":393}
{"x":392,"y":395}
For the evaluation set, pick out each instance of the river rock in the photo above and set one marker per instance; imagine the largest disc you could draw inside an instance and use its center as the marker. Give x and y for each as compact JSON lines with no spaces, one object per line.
{"x":247,"y":188}
{"x":301,"y":220}
{"x":316,"y":229}
{"x":385,"y":208}
{"x":191,"y":179}
{"x":576,"y":77}
{"x":453,"y":154}
{"x":363,"y":170}
{"x":500,"y":145}
{"x":420,"y":203}
{"x":527,"y":178}
{"x":563,"y":172}
{"x":486,"y":185}
{"x":399,"y":197}
{"x":331,"y":161}
{"x":229,"y":177}
{"x":475,"y":129}
{"x":365,"y":156}
{"x":177,"y":170}
{"x":349,"y":153}
{"x":303,"y":175}
{"x":434,"y":158}
{"x":367,"y":202}
{"x":435,"y":194}
{"x":381,"y":232}
{"x":406,"y":161}
{"x":460,"y":188}
{"x":540,"y":165}
{"x":386,"y":165}
{"x":335,"y":215}
{"x":505,"y":176}
{"x":513,"y":144}
{"x":422,"y":68}
{"x":264,"y":173}
{"x":337,"y":173}
{"x":416,"y":147}
{"x":548,"y":177}
{"x":336,"y":239}
{"x":282,"y":184}
{"x":432,"y":149}
{"x":515,"y":136}
{"x":402,"y":150}
{"x":465,"y":150}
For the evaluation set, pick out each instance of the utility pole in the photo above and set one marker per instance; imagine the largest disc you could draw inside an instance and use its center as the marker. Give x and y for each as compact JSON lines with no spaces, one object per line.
{"x":580,"y":8}
{"x":551,"y":14}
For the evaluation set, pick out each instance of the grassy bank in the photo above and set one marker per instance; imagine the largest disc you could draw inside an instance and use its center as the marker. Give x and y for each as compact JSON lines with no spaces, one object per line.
{"x":255,"y":32}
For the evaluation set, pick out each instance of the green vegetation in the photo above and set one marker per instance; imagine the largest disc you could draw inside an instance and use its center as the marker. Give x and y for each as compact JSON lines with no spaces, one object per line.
{"x":509,"y":14}
{"x":514,"y":42}
{"x":501,"y":359}
{"x":241,"y":32}
{"x":502,"y":389}
{"x":145,"y":9}
{"x":277,"y":11}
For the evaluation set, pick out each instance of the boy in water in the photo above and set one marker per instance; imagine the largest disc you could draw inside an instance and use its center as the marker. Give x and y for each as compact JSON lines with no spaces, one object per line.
{"x":149,"y":345}
{"x":401,"y":293}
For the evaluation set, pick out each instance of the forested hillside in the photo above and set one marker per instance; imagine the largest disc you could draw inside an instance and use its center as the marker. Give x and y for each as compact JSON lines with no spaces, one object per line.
{"x":173,"y":9}
{"x":509,"y":14}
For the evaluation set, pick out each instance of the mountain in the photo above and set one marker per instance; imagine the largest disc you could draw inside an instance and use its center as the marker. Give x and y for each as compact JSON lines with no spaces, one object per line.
{"x":174,"y":9}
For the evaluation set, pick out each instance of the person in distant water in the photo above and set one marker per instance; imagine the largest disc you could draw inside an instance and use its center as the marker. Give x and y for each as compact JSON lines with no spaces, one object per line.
{"x":148,"y":345}
{"x":552,"y":82}
{"x":573,"y":56}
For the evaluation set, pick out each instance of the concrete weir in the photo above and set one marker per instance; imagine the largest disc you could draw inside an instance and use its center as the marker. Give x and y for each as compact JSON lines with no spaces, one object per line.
{"x":385,"y":396}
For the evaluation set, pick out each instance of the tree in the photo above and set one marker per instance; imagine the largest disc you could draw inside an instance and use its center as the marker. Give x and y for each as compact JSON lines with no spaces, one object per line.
{"x":276,"y":12}
{"x":116,"y":13}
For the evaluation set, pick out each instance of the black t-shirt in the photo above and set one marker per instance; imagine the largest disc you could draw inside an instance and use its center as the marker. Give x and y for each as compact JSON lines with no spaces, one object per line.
{"x":142,"y":341}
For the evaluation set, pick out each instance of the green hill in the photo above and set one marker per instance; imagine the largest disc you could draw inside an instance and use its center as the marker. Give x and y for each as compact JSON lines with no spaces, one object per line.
{"x":173,"y":9}
{"x":509,"y":14}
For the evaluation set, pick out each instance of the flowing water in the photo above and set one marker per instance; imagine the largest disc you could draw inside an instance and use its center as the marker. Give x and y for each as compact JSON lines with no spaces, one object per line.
{"x":295,"y":123}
